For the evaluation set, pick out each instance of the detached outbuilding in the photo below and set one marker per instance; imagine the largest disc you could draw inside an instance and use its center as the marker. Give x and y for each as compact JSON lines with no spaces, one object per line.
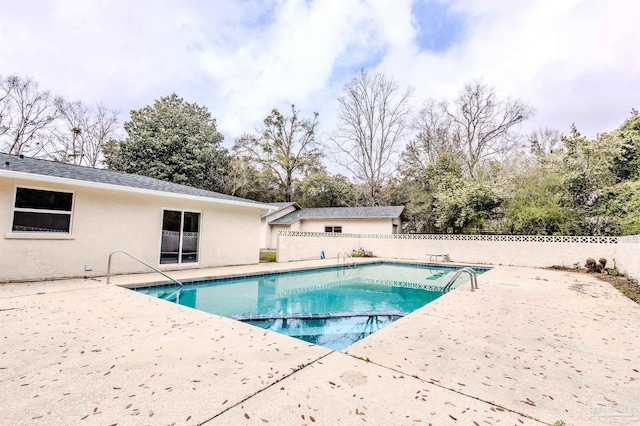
{"x":61,"y":220}
{"x":348,"y":220}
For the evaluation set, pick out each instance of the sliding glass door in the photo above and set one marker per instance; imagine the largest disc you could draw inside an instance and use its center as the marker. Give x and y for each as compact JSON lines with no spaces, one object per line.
{"x":180,"y":237}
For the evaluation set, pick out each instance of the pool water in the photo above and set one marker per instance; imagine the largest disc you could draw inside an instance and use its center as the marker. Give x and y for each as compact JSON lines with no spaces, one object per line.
{"x":332,"y":307}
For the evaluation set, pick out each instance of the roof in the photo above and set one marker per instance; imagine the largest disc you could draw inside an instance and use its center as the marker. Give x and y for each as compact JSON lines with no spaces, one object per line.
{"x":107,"y":178}
{"x":377,"y":212}
{"x":278,"y":207}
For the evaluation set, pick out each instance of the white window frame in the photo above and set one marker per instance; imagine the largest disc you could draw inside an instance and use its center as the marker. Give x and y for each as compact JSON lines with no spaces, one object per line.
{"x":182,"y":212}
{"x":40,"y":233}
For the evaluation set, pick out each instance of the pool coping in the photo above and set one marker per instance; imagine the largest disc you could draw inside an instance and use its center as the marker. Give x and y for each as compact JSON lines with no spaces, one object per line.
{"x":569,"y":320}
{"x":365,"y":261}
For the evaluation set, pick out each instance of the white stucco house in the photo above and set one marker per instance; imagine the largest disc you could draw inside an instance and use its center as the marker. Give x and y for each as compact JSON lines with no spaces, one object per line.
{"x":60,"y":220}
{"x":349,"y":220}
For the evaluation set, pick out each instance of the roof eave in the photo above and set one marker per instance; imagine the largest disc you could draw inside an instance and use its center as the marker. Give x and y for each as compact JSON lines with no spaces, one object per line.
{"x":129,"y":189}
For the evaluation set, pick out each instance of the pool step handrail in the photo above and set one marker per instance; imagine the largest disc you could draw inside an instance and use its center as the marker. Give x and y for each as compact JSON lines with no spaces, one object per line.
{"x":141,"y":261}
{"x":472,"y":275}
{"x":344,"y":256}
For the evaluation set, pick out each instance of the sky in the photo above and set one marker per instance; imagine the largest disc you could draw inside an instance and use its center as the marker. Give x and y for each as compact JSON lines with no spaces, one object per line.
{"x":574,"y":61}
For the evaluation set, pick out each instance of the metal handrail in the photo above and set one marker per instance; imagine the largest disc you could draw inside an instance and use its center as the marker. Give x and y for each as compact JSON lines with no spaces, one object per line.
{"x":141,"y":261}
{"x":472,"y":275}
{"x":344,"y":256}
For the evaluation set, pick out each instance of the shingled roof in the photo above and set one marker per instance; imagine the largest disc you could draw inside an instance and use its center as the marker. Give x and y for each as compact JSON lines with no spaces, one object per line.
{"x":278,"y":207}
{"x":377,"y":212}
{"x":33,"y":166}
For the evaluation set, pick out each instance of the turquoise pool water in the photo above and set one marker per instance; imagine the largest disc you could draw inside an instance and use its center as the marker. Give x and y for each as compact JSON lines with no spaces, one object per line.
{"x":332,"y":307}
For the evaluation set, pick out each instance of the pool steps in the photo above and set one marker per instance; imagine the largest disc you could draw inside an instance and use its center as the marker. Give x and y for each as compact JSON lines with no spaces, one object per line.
{"x":287,"y":316}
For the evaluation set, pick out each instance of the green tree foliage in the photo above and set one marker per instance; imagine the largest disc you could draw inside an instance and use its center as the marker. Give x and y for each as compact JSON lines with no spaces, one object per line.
{"x":172,"y":140}
{"x":584,"y":187}
{"x":284,"y":149}
{"x":587,"y":167}
{"x":444,"y":200}
{"x":320,"y":189}
{"x":244,"y":180}
{"x":622,"y":201}
{"x":626,"y":161}
{"x":535,"y":206}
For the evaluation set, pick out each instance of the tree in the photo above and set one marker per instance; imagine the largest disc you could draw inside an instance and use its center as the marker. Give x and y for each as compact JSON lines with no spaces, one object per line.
{"x":285,"y":146}
{"x":172,"y":140}
{"x":587,"y":167}
{"x":373,"y":118}
{"x":626,"y":162}
{"x":433,"y":139}
{"x":321,"y":189}
{"x":245,"y":180}
{"x":83,"y":133}
{"x":536,"y":204}
{"x":545,"y":141}
{"x":482,"y":124}
{"x":622,"y":201}
{"x":26,"y":116}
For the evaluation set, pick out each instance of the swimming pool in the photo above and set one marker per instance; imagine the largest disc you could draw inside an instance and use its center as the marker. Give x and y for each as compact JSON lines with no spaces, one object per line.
{"x":333,"y":307}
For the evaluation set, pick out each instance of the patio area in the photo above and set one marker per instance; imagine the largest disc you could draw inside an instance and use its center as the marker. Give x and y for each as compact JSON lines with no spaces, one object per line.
{"x":530,"y":346}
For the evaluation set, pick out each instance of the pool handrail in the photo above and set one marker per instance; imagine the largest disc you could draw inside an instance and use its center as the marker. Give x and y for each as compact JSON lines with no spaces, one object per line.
{"x":141,"y":261}
{"x":344,"y":258}
{"x":472,"y":275}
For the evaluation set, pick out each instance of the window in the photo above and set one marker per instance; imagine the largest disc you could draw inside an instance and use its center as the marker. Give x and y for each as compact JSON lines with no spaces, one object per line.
{"x":180,"y":237}
{"x":337,"y":229}
{"x":42,"y":211}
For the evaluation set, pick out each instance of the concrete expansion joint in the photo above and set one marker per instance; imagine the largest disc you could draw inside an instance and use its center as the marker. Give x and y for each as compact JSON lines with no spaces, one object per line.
{"x":493,"y":404}
{"x":293,"y":371}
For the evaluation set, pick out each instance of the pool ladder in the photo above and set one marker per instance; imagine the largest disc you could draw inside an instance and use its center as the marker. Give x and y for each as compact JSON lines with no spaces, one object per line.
{"x":472,"y":276}
{"x":344,"y":256}
{"x":176,"y":294}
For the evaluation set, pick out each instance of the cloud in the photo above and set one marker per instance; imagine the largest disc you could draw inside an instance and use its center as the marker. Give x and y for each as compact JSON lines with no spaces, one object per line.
{"x":574,"y":61}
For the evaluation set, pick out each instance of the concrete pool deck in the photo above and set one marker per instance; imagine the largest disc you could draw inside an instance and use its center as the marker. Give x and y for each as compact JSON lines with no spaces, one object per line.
{"x":531,"y":346}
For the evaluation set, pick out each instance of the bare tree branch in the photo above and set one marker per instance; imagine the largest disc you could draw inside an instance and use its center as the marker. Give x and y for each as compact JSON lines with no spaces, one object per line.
{"x":26,"y":114}
{"x":482,"y":124}
{"x":373,"y":116}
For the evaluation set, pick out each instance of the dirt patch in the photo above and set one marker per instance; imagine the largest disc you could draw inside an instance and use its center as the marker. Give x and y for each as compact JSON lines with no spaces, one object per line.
{"x":628,"y":287}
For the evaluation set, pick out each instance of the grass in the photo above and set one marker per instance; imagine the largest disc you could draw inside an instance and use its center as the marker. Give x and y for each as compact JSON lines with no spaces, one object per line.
{"x":267,"y":256}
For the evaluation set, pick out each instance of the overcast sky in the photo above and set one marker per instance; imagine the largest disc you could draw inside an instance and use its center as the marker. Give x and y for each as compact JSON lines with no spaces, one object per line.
{"x":573,"y":61}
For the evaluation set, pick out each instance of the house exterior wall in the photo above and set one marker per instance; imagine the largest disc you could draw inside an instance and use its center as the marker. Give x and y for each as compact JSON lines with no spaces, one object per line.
{"x":273,"y":234}
{"x":349,"y":226}
{"x":268,"y":236}
{"x":106,"y":220}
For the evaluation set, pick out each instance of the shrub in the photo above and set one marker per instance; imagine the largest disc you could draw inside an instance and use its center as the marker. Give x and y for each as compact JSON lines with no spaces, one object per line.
{"x":362,"y":253}
{"x":595,"y":267}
